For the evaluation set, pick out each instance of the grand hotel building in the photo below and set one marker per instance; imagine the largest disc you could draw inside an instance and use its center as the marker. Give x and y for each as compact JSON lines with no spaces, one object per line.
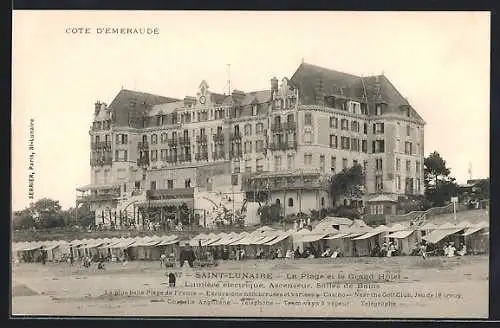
{"x":150,"y":154}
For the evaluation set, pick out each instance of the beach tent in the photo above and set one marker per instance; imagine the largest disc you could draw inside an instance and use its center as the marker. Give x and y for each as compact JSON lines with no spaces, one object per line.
{"x":195,"y":241}
{"x":441,"y":233}
{"x":406,"y":240}
{"x":282,"y":240}
{"x":397,"y":227}
{"x":368,"y":240}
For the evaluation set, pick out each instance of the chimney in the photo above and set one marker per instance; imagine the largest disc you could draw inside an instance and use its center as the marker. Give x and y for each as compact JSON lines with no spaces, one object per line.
{"x":238,"y":95}
{"x":274,"y":84}
{"x":318,"y":89}
{"x":97,"y":107}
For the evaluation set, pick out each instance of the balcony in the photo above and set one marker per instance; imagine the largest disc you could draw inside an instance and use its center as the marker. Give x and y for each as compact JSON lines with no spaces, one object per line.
{"x":201,"y":157}
{"x":101,"y":125}
{"x":184,"y":158}
{"x":289,"y":126}
{"x":275,"y":127}
{"x":101,"y":145}
{"x":201,"y":139}
{"x":273,"y":184}
{"x":143,"y":145}
{"x":283,"y":145}
{"x":170,"y":193}
{"x":217,"y":156}
{"x":100,"y":161}
{"x":235,"y":137}
{"x":219,"y":138}
{"x":235,"y":154}
{"x":98,"y":197}
{"x":144,"y":161}
{"x":185,"y":141}
{"x":172,"y":142}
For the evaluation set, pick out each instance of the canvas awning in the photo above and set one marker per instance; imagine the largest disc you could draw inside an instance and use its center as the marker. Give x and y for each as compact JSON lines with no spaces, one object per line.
{"x":168,"y":242}
{"x":51,"y":247}
{"x":338,"y":236}
{"x":368,"y":235}
{"x":471,"y":231}
{"x":277,"y":240}
{"x":29,"y":247}
{"x":437,"y":235}
{"x":232,"y":240}
{"x":93,"y":244}
{"x":123,"y":244}
{"x":266,"y":239}
{"x":312,"y":237}
{"x":210,"y":241}
{"x":110,"y":244}
{"x":400,"y":234}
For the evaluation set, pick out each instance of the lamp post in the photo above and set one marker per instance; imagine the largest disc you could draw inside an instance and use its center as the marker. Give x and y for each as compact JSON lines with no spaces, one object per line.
{"x":454,"y":200}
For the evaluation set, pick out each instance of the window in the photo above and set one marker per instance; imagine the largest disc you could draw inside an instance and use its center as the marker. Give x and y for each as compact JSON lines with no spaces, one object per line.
{"x":259,"y":146}
{"x":379,"y":183}
{"x":163,"y":154}
{"x":164,"y":137}
{"x":398,"y":182}
{"x":409,"y":186}
{"x":248,"y":166}
{"x":333,"y":164}
{"x":322,"y":163}
{"x":378,"y":164}
{"x":248,"y":130}
{"x":408,"y":148}
{"x":170,"y":184}
{"x":254,"y":110}
{"x":290,"y":202}
{"x":334,"y":122}
{"x":322,"y":201}
{"x":277,"y":163}
{"x":187,"y":183}
{"x":154,"y":155}
{"x":378,"y":146}
{"x":344,"y":124}
{"x":365,"y":128}
{"x":259,"y":128}
{"x":377,"y":209}
{"x":354,"y":144}
{"x":398,"y":164}
{"x":308,"y":137}
{"x":259,"y":166}
{"x":378,"y":109}
{"x":344,"y":163}
{"x":308,"y":119}
{"x":333,"y":141}
{"x":153,"y":185}
{"x":378,"y":128}
{"x":290,"y":161}
{"x":237,"y":168}
{"x":247,"y":147}
{"x":355,"y":126}
{"x":408,"y":130}
{"x":364,"y":146}
{"x":154,"y":139}
{"x":344,"y":143}
{"x":416,"y":149}
{"x":121,"y":155}
{"x":408,"y":166}
{"x":307,"y":159}
{"x":418,"y":185}
{"x":121,"y":139}
{"x":417,"y":167}
{"x":396,"y":146}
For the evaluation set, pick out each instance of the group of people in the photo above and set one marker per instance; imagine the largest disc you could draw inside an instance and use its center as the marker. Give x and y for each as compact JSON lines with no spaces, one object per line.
{"x":387,"y":250}
{"x":449,"y":249}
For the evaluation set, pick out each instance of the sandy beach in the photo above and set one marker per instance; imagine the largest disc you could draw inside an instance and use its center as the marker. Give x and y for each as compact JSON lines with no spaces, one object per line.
{"x":398,"y":287}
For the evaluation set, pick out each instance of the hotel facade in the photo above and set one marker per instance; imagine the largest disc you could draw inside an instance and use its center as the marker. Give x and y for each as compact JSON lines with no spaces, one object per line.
{"x":151,"y":155}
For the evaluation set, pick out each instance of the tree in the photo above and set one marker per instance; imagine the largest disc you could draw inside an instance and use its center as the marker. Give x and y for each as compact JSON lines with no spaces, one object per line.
{"x":348,"y":183}
{"x":23,"y":220}
{"x":439,"y":185}
{"x":47,"y":213}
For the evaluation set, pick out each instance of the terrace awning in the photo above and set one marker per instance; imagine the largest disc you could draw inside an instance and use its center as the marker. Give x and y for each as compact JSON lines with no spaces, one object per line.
{"x":210,"y":241}
{"x":437,"y":235}
{"x":312,"y":237}
{"x":400,"y":234}
{"x":168,"y":242}
{"x":277,"y":240}
{"x":338,"y":236}
{"x":123,"y":244}
{"x":471,"y":231}
{"x":368,"y":235}
{"x":93,"y":244}
{"x":266,"y":239}
{"x":109,"y":244}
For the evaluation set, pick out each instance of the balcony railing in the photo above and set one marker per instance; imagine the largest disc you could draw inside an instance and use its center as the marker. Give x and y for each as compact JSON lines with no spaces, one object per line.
{"x":289,"y":126}
{"x":235,"y":154}
{"x":144,"y":161}
{"x":235,"y":137}
{"x":100,"y":161}
{"x":184,"y":141}
{"x":220,"y":155}
{"x":143,"y":145}
{"x":170,"y":193}
{"x":283,"y":145}
{"x":101,"y":145}
{"x":218,"y":138}
{"x":184,"y":158}
{"x":98,"y":197}
{"x":172,"y":142}
{"x":201,"y":156}
{"x":201,"y":139}
{"x":280,"y":184}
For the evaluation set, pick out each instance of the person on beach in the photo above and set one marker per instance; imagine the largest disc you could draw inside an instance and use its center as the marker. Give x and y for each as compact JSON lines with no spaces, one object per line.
{"x":463,"y":250}
{"x":187,"y":254}
{"x":163,"y":258}
{"x":451,"y":250}
{"x":423,"y":250}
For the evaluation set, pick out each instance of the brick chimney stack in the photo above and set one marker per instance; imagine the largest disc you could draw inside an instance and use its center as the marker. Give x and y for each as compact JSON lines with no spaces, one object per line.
{"x":97,"y":107}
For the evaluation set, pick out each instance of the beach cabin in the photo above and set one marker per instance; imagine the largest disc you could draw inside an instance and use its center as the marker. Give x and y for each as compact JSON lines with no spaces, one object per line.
{"x":370,"y":240}
{"x":476,"y":238}
{"x":447,"y":232}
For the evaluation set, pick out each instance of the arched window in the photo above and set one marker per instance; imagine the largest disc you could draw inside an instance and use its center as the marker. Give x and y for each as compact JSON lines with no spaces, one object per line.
{"x":278,"y":201}
{"x":290,"y":202}
{"x":322,"y":201}
{"x":345,"y":201}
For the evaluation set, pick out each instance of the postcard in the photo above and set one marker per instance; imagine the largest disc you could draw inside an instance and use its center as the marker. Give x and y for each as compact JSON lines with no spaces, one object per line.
{"x":250,"y":164}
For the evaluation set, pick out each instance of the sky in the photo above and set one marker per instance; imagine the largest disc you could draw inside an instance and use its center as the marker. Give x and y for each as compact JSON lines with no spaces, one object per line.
{"x":440,"y":61}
